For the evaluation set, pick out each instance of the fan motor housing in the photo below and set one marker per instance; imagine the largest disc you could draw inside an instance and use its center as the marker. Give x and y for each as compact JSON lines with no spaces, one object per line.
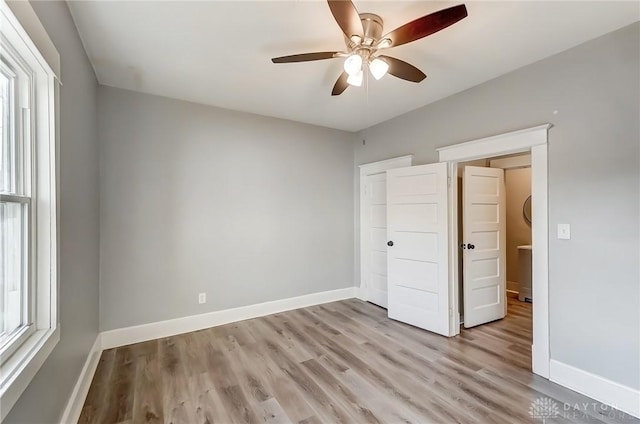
{"x":372,"y":25}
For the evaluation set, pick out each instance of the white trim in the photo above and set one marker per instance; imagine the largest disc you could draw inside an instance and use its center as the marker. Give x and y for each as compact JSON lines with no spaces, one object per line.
{"x":513,"y":162}
{"x":535,"y":140}
{"x":28,"y":360}
{"x":75,"y":403}
{"x":39,"y":133}
{"x":511,"y":285}
{"x":382,"y":166}
{"x":367,"y":170}
{"x":503,"y":144}
{"x":361,"y":294}
{"x":24,"y":20}
{"x":156,"y":330}
{"x":623,"y":398}
{"x":540,"y":351}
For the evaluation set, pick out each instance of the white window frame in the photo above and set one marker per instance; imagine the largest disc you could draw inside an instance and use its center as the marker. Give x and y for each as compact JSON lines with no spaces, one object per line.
{"x":19,"y":365}
{"x":21,"y":95}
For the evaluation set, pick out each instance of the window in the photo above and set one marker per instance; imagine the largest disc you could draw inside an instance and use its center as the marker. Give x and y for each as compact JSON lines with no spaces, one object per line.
{"x":16,"y":214}
{"x":28,"y":272}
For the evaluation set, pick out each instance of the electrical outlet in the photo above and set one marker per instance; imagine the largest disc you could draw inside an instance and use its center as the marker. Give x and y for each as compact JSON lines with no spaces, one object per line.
{"x":202,"y":298}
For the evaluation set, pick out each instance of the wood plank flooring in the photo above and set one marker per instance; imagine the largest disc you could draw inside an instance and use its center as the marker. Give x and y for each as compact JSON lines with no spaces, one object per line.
{"x":342,"y":362}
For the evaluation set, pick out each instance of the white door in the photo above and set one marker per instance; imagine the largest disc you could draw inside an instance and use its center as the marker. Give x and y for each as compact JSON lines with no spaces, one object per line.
{"x":484,"y":240}
{"x":417,"y":255}
{"x":375,"y":237}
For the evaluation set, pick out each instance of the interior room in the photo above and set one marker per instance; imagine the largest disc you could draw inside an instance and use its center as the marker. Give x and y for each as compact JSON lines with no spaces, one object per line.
{"x":319,"y":211}
{"x":513,"y":250}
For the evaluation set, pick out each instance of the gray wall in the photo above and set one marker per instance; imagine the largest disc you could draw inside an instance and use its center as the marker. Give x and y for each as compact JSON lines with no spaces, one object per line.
{"x":517,"y":184}
{"x":198,"y":199}
{"x":46,"y":396}
{"x":594,"y":153}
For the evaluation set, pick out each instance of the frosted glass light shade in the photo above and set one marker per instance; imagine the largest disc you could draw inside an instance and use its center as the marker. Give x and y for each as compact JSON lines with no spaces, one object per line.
{"x":356,"y":79}
{"x":353,"y":64}
{"x":378,"y":68}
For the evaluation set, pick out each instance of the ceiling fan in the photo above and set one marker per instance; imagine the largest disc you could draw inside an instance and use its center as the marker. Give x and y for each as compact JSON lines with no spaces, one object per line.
{"x":365,"y":43}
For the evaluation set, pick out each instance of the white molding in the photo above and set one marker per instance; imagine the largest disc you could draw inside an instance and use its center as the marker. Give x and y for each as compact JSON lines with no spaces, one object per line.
{"x":361,"y":294}
{"x":621,"y":397}
{"x":540,"y":350}
{"x":530,"y":139}
{"x":76,"y":401}
{"x":513,"y":293}
{"x":512,"y":284}
{"x":452,"y":216}
{"x":381,"y":166}
{"x":20,"y":15}
{"x":513,"y":162}
{"x":156,"y":330}
{"x":38,"y":130}
{"x":23,"y":366}
{"x":502,"y":144}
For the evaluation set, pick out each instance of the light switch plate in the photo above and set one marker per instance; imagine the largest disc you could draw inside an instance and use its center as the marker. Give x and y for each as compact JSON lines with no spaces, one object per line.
{"x":564,"y":231}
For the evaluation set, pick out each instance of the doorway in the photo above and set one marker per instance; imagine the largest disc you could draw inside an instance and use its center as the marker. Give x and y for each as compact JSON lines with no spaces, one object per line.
{"x":533,"y":140}
{"x":494,"y":238}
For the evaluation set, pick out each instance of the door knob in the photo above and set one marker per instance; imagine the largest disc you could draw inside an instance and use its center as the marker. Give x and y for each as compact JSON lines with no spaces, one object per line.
{"x":389,"y":243}
{"x":471,"y":246}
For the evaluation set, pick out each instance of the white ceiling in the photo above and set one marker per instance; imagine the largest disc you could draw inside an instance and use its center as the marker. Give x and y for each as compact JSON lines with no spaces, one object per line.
{"x":218,"y":52}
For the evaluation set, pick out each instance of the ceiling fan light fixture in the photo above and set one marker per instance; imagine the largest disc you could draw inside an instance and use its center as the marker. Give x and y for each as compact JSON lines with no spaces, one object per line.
{"x":385,"y":43}
{"x":356,"y":39}
{"x":353,"y":64}
{"x":378,"y":68}
{"x":356,"y":79}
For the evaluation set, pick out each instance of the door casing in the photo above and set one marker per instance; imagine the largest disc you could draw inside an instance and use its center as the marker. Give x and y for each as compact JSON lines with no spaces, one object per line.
{"x":534,"y":140}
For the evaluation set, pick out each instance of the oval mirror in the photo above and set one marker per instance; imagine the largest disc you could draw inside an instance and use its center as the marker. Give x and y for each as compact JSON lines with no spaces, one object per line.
{"x":526,"y":210}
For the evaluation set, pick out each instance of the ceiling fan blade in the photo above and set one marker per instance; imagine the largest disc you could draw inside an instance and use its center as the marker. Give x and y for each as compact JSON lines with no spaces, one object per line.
{"x":426,"y":25}
{"x":403,"y":70}
{"x":305,"y":57}
{"x":347,"y":17}
{"x":341,"y":84}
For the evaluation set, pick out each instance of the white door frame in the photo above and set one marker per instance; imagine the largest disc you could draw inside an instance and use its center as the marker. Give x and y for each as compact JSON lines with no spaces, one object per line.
{"x":367,"y":170}
{"x":534,"y":140}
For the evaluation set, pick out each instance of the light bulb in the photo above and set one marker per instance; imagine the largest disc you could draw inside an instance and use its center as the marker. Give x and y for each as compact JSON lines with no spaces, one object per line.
{"x":356,"y":79}
{"x":353,"y":64}
{"x":378,"y":68}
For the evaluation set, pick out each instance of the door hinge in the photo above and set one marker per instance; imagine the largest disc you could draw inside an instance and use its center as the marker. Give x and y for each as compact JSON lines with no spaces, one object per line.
{"x":448,"y":181}
{"x":450,"y":312}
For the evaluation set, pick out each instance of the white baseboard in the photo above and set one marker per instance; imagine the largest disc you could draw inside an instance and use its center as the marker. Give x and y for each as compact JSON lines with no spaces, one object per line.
{"x":156,"y":330}
{"x":623,"y":398}
{"x":361,"y":293}
{"x":73,"y":409}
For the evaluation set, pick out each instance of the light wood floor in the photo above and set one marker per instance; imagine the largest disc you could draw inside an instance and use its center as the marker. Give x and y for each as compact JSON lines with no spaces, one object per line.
{"x":338,"y":362}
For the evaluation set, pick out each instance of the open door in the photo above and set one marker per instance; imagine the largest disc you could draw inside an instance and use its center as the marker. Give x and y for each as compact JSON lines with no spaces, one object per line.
{"x":417,"y":252}
{"x":484,"y":245}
